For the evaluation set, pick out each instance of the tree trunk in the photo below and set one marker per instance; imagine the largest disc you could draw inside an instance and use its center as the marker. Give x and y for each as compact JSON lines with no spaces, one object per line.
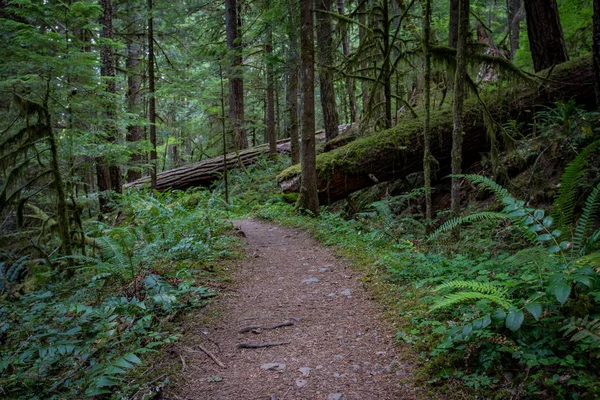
{"x":596,"y":51}
{"x":233,"y":22}
{"x":427,"y":157}
{"x":393,"y":154}
{"x":108,"y":175}
{"x":545,"y":34}
{"x":453,"y":26}
{"x":325,"y":51}
{"x":459,"y":99}
{"x":515,"y":15}
{"x":151,"y":94}
{"x":308,"y":199}
{"x":270,"y":112}
{"x":292,"y":97}
{"x":134,"y":102}
{"x":351,"y":90}
{"x":364,"y":86}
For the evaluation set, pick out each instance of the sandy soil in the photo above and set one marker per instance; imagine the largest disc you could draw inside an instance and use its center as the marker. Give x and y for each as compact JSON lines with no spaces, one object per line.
{"x":339,"y":349}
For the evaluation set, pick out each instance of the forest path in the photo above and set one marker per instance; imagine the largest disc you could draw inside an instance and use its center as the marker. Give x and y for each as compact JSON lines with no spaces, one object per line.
{"x":339,"y":349}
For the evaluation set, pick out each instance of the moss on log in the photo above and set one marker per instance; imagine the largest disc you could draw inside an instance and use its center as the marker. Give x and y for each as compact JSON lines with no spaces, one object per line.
{"x":397,"y":152}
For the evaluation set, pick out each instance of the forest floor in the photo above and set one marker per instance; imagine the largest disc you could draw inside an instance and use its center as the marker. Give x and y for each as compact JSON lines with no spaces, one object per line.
{"x":337,"y":343}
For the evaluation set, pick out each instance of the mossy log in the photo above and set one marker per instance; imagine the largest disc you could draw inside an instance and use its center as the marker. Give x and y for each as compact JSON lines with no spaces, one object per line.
{"x":398,"y":152}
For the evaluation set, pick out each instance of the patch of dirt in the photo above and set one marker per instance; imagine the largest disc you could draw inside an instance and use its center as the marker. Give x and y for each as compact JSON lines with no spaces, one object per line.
{"x":339,"y":348}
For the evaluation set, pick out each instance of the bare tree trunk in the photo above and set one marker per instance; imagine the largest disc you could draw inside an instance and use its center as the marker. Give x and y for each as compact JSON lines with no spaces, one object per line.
{"x":545,"y":34}
{"x":427,"y":157}
{"x":325,"y":51}
{"x":309,"y":198}
{"x":233,"y":23}
{"x":270,"y":122}
{"x":109,"y":176}
{"x":596,"y":51}
{"x":459,"y":98}
{"x":134,"y":101}
{"x":292,"y":97}
{"x":515,"y":15}
{"x":349,"y":81}
{"x":151,"y":94}
{"x":453,"y":26}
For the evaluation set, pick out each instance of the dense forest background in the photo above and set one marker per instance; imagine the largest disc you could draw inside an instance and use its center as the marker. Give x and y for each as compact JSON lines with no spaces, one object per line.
{"x":359,"y":110}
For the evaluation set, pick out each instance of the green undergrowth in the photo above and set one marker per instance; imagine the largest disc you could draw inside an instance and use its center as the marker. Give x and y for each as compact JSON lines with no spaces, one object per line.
{"x":95,"y":330}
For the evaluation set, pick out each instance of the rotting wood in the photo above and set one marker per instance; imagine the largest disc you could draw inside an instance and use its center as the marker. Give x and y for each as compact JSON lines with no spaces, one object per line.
{"x":244,"y":345}
{"x":395,"y":153}
{"x":208,"y":353}
{"x":258,"y":328}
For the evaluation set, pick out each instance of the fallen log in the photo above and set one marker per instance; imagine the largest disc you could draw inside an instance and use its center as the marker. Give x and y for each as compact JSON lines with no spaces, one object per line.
{"x":397,"y":152}
{"x":205,"y":172}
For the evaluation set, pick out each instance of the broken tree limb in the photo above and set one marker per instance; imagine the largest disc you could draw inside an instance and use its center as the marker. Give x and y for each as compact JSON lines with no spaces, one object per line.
{"x":260,"y":345}
{"x":398,"y":152}
{"x":208,"y":353}
{"x":263,"y":328}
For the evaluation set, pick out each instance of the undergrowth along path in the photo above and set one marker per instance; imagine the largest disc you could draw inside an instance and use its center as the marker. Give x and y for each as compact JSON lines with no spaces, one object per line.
{"x":331,"y":344}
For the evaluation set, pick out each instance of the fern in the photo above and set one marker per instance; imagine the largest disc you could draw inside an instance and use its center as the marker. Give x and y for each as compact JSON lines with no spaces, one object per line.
{"x":485,"y":183}
{"x":462,"y":297}
{"x":586,"y":221}
{"x":483,"y":287}
{"x":584,"y":329}
{"x":563,"y":208}
{"x":454,"y":222}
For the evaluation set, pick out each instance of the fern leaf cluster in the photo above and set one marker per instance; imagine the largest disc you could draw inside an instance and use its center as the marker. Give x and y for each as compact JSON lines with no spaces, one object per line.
{"x":477,"y":291}
{"x":584,"y":328}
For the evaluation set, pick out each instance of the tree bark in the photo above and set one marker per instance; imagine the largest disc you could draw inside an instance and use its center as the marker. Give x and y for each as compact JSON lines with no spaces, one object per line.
{"x":151,"y":94}
{"x":427,"y":157}
{"x":453,"y":25}
{"x":325,"y":51}
{"x":459,"y":99}
{"x":134,"y":102}
{"x":545,"y":34}
{"x":350,"y":88}
{"x":308,"y":199}
{"x":393,"y":154}
{"x":596,"y":51}
{"x":515,"y":15}
{"x":270,"y":111}
{"x":292,"y":95}
{"x":233,"y":24}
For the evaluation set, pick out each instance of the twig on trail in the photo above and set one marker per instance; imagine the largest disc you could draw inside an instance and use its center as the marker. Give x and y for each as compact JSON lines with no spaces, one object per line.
{"x":261,"y":328}
{"x":260,"y":345}
{"x":208,"y":353}
{"x":182,"y":362}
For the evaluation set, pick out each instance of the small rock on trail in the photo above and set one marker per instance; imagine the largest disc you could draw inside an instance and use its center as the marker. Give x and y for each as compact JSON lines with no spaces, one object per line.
{"x":336,"y":330}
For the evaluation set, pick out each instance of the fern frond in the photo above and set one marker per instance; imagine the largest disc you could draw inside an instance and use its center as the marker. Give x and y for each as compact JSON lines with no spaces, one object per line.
{"x":483,"y":287}
{"x":564,"y":203}
{"x":585,"y":329}
{"x":462,"y":297}
{"x":586,"y":220}
{"x":485,"y":183}
{"x":454,"y":222}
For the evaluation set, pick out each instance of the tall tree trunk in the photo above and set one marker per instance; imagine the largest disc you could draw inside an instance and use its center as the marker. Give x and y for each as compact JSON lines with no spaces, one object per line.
{"x":386,"y":67}
{"x":271,"y":134}
{"x":292,"y":95}
{"x":108,"y":175}
{"x":325,"y":51}
{"x":453,"y":26}
{"x":459,"y":98}
{"x":427,"y":157}
{"x":545,"y":34}
{"x":308,"y":198}
{"x":151,"y":94}
{"x":364,"y":86}
{"x":596,"y":51}
{"x":349,"y":81}
{"x":233,"y":22}
{"x":515,"y":15}
{"x":134,"y":101}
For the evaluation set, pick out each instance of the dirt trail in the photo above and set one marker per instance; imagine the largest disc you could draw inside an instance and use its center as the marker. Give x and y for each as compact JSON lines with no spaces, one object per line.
{"x":338,"y":349}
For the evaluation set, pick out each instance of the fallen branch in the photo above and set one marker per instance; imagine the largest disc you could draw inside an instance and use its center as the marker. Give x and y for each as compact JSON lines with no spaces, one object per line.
{"x":258,"y":329}
{"x":208,"y":353}
{"x":260,"y":345}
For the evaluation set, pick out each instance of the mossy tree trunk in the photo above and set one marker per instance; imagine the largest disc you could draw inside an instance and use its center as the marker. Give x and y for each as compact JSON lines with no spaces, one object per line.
{"x":325,"y":52}
{"x":308,"y":198}
{"x":460,"y":79}
{"x":292,"y":87}
{"x":151,"y":95}
{"x":270,"y":111}
{"x":596,"y":51}
{"x":427,"y":157}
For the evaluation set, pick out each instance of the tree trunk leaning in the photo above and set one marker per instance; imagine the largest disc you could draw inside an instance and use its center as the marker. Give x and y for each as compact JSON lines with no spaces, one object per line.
{"x":545,"y":34}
